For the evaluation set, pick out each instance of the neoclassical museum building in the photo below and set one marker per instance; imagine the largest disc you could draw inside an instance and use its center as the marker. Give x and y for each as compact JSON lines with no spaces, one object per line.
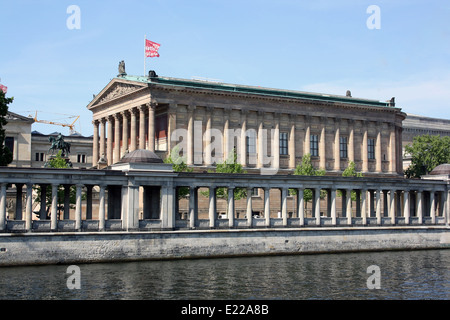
{"x":269,"y":129}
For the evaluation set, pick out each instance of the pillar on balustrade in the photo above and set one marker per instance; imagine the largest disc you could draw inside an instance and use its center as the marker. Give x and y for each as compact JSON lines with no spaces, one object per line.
{"x":53,"y":211}
{"x":230,"y":206}
{"x":212,"y":211}
{"x":419,"y":206}
{"x":317,"y":205}
{"x":406,"y":206}
{"x":432,"y":207}
{"x":337,"y":153}
{"x":168,"y":207}
{"x":19,"y":208}
{"x":300,"y":206}
{"x":378,"y":206}
{"x":292,"y":144}
{"x":101,"y":209}
{"x":348,"y":206}
{"x":151,"y":125}
{"x":392,"y":205}
{"x":284,"y":193}
{"x":28,"y":207}
{"x":130,"y":216}
{"x":364,"y":206}
{"x":102,"y":138}
{"x":95,"y":141}
{"x":249,"y":211}
{"x":3,"y":206}
{"x":124,"y":133}
{"x":192,"y":206}
{"x":78,"y":207}
{"x":116,"y":156}
{"x":267,"y":206}
{"x":333,"y":206}
{"x":109,"y":141}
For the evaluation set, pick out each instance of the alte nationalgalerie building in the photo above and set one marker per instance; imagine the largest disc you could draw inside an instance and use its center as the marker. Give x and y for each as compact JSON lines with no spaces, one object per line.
{"x":272,"y":128}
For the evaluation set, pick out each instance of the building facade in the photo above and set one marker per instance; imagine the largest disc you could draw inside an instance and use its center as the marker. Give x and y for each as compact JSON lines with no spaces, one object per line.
{"x":270,"y":129}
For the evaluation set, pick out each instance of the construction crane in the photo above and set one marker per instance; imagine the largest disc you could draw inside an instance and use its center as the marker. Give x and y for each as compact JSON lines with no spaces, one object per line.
{"x":70,"y":126}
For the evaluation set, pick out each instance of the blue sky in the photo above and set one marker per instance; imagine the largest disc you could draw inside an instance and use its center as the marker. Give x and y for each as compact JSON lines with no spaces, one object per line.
{"x":319,"y":46}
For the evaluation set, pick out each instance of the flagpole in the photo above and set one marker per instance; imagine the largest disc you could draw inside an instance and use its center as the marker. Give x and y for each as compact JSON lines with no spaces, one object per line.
{"x":145,"y":40}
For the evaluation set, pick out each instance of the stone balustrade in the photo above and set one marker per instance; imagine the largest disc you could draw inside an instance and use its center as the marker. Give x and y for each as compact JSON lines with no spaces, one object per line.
{"x":147,"y":199}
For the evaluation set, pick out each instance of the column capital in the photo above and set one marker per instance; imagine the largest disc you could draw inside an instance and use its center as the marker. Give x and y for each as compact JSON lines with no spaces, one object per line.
{"x":95,"y":122}
{"x":152,"y":104}
{"x":116,"y":116}
{"x":124,"y":113}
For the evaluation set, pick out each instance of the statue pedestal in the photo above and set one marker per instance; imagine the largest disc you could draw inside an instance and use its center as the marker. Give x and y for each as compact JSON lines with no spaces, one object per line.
{"x":66,"y":159}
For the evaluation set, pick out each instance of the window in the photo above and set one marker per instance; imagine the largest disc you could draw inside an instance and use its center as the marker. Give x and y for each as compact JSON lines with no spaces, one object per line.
{"x":255,"y":192}
{"x":251,"y":143}
{"x":343,"y":147}
{"x":283,"y":143}
{"x":9,"y":142}
{"x":371,"y":148}
{"x":39,"y":156}
{"x":314,"y":145}
{"x":81,"y":158}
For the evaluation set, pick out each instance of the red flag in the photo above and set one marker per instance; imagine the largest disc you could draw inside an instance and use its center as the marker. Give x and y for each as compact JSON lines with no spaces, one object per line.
{"x":3,"y":88}
{"x":151,"y":48}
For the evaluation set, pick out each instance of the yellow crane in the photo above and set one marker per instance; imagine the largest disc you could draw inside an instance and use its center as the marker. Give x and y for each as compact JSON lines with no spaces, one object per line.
{"x":69,"y":125}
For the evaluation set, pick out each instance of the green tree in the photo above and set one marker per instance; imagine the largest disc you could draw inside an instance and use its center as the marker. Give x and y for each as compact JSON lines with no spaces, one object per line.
{"x":6,"y":156}
{"x":307,"y":169}
{"x":350,"y":171}
{"x":179,"y":165}
{"x":427,"y":152}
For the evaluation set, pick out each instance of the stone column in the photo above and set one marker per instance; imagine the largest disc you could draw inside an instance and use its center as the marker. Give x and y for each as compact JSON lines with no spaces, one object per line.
{"x":307,"y":142}
{"x":322,"y":155}
{"x":190,"y":136}
{"x":432,"y":207}
{"x":133,"y":130}
{"x":141,"y":127}
{"x":337,"y":153}
{"x":243,"y":151}
{"x":392,"y":206}
{"x":103,"y":137}
{"x":317,"y":205}
{"x":109,"y":142}
{"x":28,"y":207}
{"x":300,"y":206}
{"x":116,"y":157}
{"x":249,"y":208}
{"x":101,"y":209}
{"x":212,"y":207}
{"x":95,"y":149}
{"x":226,"y":134}
{"x":260,"y":139}
{"x":267,"y":205}
{"x":378,"y":167}
{"x":364,"y":155}
{"x":284,"y":192}
{"x":3,"y":207}
{"x":351,"y":141}
{"x":208,"y":137}
{"x":419,"y":206}
{"x":231,"y":207}
{"x":172,"y":124}
{"x":276,"y":143}
{"x":364,"y":206}
{"x":348,"y":206}
{"x":406,"y":207}
{"x":53,"y":214}
{"x":78,"y":208}
{"x":333,"y":206}
{"x":151,"y":125}
{"x":378,"y":210}
{"x":392,"y":147}
{"x":292,"y":144}
{"x":192,"y":206}
{"x":124,"y":133}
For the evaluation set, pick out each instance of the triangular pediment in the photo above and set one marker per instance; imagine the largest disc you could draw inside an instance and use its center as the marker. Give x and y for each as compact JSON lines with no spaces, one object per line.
{"x":116,"y":89}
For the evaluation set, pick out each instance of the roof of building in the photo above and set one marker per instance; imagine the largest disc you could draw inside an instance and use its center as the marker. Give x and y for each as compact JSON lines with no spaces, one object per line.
{"x":442,"y":169}
{"x":141,"y":156}
{"x":227,"y":87}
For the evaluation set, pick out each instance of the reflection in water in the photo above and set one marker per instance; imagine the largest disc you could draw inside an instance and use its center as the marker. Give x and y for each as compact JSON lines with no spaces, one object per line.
{"x":404,"y":275}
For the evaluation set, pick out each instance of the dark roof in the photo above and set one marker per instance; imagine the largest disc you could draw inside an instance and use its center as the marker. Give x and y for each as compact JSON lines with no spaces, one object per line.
{"x":441,"y":169}
{"x":141,"y":156}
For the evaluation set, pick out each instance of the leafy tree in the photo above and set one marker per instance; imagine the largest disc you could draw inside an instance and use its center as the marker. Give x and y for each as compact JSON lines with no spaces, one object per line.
{"x":307,"y":169}
{"x":427,"y":152}
{"x":179,"y":166}
{"x":351,"y":172}
{"x":6,"y":156}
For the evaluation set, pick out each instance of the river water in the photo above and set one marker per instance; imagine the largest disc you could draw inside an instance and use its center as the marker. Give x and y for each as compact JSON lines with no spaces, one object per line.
{"x":401,"y":275}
